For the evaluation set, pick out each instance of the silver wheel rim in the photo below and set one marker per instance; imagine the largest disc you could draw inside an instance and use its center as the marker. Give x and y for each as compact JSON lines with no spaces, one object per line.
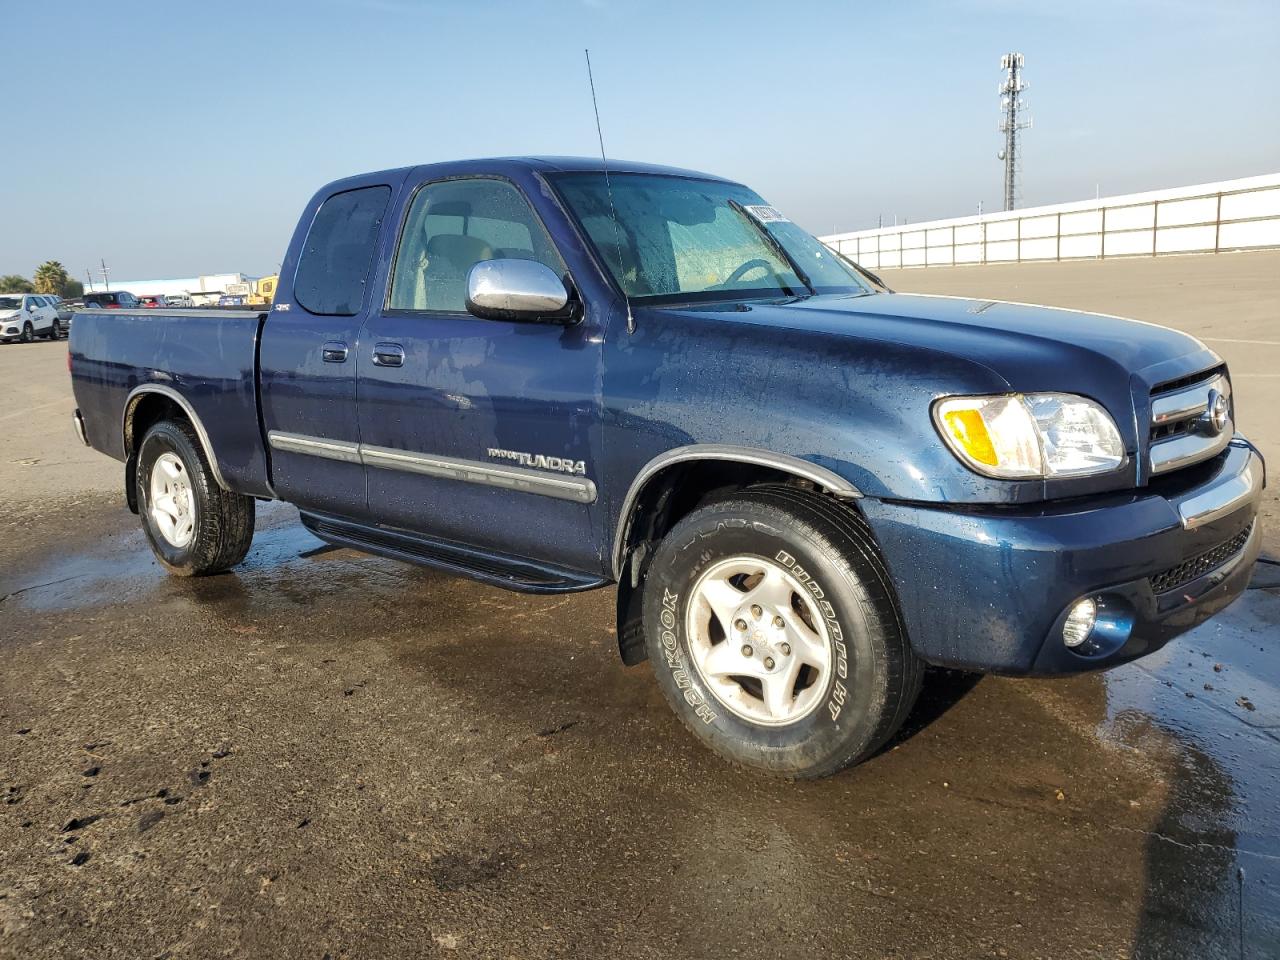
{"x":758,"y":641}
{"x":172,"y":503}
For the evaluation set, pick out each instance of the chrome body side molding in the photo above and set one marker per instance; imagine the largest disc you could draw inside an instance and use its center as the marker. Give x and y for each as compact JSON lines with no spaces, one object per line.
{"x":126,"y":425}
{"x":828,"y":480}
{"x":314,"y":446}
{"x":576,"y":489}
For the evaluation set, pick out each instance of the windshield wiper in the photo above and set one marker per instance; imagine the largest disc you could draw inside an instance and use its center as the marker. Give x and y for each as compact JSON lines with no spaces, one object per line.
{"x":776,"y":246}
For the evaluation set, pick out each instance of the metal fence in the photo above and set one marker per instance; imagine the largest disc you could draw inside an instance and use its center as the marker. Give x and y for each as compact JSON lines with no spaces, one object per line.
{"x":1207,"y":218}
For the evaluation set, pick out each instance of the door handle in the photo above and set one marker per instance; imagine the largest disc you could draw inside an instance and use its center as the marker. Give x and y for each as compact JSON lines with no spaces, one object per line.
{"x":335,"y":351}
{"x":388,"y":355}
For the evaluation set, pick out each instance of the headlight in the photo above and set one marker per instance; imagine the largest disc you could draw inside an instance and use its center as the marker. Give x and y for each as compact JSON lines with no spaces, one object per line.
{"x":1030,"y":436}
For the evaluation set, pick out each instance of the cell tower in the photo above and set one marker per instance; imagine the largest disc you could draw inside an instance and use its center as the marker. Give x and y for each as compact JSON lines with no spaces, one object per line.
{"x":1012,"y":120}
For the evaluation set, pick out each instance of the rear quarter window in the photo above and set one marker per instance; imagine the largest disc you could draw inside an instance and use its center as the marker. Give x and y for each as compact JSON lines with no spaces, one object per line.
{"x":338,"y":254}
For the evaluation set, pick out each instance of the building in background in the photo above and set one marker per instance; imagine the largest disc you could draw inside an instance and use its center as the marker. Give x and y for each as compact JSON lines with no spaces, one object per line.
{"x":200,"y":289}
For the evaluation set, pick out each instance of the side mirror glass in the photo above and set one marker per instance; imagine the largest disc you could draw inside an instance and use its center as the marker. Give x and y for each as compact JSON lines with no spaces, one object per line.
{"x":517,"y":290}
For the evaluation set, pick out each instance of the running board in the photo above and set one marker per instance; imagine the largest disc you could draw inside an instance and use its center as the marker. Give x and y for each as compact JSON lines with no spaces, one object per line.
{"x":500,"y":570}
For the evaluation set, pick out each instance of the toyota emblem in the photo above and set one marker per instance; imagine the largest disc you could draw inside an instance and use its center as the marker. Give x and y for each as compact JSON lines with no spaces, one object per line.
{"x":1216,"y":415}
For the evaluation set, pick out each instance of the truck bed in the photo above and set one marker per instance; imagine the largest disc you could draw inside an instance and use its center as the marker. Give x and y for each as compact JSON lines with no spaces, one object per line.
{"x":204,"y":358}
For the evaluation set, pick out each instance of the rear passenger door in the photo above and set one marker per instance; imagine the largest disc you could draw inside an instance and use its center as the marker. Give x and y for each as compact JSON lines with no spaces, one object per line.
{"x":461,"y":417}
{"x":42,"y":316}
{"x":308,"y":355}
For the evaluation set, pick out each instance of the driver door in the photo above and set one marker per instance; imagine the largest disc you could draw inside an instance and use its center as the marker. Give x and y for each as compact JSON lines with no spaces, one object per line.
{"x":455,"y":410}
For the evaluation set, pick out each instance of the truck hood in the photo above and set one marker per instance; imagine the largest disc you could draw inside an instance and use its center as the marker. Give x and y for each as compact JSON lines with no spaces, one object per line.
{"x":1028,"y":347}
{"x":8,"y":315}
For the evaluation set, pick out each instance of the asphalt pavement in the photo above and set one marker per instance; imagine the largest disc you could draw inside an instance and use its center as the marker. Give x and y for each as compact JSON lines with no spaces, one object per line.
{"x":324,"y":754}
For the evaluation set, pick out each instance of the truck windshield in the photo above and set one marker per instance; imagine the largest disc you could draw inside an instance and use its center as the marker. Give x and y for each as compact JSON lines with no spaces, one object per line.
{"x":10,"y":303}
{"x":680,"y":239}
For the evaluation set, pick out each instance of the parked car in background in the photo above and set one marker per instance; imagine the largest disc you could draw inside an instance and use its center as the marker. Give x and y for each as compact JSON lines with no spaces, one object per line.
{"x":67,"y":311}
{"x":64,"y":308}
{"x":552,"y":377}
{"x":179,"y":300}
{"x":25,"y":316}
{"x":153,"y":301}
{"x":111,"y":300}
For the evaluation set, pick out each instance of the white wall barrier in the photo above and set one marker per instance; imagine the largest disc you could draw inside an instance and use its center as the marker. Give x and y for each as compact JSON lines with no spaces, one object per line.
{"x":1205,"y":218}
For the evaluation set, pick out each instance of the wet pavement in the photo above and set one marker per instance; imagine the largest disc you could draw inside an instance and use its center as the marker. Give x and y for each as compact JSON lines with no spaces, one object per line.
{"x":326,"y":754}
{"x":323,"y":754}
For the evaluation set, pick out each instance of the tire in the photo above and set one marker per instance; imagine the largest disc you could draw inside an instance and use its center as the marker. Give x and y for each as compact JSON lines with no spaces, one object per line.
{"x":28,"y":333}
{"x":55,"y":330}
{"x":193,"y":525}
{"x":830,"y":590}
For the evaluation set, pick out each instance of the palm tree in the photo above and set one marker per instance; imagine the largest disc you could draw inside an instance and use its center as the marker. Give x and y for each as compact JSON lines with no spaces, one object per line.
{"x":51,"y":277}
{"x":12,"y":283}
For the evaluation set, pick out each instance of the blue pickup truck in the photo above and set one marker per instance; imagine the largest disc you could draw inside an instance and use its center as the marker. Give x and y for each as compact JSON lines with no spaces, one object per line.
{"x":550,"y":375}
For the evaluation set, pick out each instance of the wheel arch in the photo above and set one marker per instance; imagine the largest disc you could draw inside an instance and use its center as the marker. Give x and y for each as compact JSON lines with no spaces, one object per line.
{"x":673,"y":484}
{"x":149,"y":403}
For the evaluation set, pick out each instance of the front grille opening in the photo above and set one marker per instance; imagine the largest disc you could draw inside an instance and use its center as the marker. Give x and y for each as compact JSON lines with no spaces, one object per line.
{"x":1187,"y":424}
{"x":1189,"y":380}
{"x":1198,"y":566}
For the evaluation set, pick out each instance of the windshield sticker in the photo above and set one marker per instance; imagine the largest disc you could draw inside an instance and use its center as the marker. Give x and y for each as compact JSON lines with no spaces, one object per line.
{"x":766,"y":214}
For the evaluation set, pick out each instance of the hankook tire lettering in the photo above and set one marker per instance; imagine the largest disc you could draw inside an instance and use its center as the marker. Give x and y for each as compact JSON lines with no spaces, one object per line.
{"x":839,"y":693}
{"x":675,"y":659}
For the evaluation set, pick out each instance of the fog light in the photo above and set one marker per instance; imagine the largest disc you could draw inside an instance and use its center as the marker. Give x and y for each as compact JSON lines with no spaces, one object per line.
{"x":1079,"y":622}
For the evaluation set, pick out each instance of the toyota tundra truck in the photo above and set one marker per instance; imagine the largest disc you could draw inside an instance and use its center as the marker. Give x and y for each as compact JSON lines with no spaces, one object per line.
{"x":555,"y":374}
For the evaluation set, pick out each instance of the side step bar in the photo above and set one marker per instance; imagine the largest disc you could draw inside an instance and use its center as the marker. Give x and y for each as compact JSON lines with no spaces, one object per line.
{"x":500,"y":570}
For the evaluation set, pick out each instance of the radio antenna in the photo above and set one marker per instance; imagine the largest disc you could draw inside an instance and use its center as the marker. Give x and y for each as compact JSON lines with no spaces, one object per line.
{"x":608,"y":187}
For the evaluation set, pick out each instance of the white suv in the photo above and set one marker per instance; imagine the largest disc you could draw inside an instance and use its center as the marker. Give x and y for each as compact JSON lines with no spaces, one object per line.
{"x":24,"y":316}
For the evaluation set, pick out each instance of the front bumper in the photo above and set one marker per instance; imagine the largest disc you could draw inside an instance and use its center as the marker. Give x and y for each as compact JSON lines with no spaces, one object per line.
{"x":989,"y":588}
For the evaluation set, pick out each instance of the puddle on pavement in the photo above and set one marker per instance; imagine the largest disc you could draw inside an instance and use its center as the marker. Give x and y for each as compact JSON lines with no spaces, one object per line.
{"x":1205,"y":712}
{"x":285,"y":563}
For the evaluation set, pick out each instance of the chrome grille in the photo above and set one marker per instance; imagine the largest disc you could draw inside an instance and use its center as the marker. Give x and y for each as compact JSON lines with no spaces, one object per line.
{"x":1182,"y":430}
{"x":1198,"y":566}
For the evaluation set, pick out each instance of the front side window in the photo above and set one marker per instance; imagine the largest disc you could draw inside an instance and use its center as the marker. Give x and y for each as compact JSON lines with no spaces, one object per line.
{"x":338,"y":254}
{"x":453,"y":225}
{"x":668,"y":239}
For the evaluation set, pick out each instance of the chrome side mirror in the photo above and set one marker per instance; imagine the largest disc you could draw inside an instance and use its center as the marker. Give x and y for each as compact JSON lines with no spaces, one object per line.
{"x":517,"y":290}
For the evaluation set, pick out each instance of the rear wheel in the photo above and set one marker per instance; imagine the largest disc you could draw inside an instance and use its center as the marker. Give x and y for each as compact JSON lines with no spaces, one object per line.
{"x":774,"y":632}
{"x":55,"y":331}
{"x":193,"y":525}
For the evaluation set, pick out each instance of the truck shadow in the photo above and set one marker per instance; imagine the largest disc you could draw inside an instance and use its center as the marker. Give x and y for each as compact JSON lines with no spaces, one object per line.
{"x":941,"y":690}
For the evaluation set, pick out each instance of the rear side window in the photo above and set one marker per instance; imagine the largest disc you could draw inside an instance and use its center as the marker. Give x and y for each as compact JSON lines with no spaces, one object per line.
{"x":336,"y":259}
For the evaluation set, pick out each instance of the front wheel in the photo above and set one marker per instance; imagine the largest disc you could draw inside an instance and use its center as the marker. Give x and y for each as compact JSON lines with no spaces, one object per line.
{"x":193,"y":525}
{"x":774,"y":633}
{"x":28,"y":333}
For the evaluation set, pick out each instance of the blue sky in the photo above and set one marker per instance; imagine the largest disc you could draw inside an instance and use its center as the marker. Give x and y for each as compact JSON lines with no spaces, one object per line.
{"x":175,"y":138}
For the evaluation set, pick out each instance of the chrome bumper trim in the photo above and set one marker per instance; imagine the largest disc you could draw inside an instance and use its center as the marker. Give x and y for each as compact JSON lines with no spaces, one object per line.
{"x":1224,"y":497}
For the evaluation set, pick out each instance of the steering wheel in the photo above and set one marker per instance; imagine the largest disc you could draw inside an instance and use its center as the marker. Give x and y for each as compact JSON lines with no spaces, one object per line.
{"x":739,"y":273}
